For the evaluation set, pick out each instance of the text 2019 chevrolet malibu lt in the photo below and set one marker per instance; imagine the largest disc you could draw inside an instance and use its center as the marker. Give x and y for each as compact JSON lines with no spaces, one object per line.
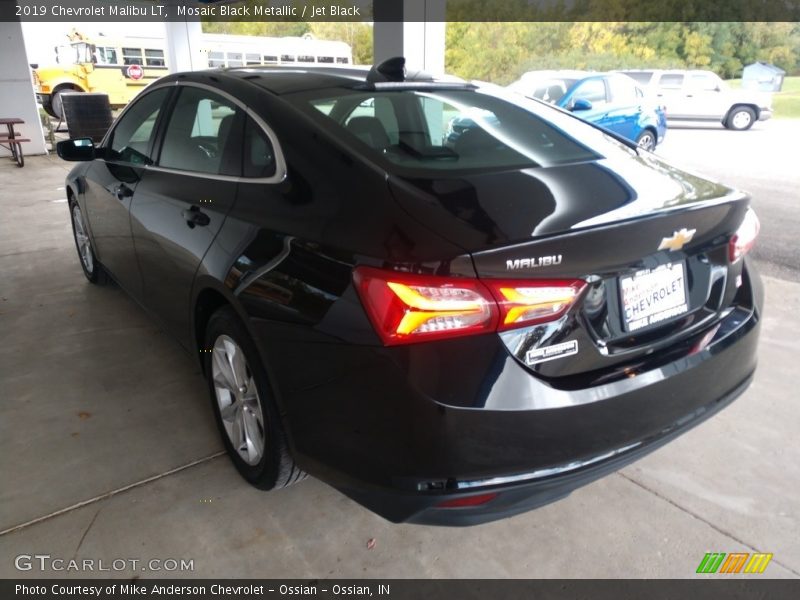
{"x":447,"y":333}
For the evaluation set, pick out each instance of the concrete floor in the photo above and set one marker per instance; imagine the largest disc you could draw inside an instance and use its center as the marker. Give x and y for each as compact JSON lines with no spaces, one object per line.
{"x":108,"y":451}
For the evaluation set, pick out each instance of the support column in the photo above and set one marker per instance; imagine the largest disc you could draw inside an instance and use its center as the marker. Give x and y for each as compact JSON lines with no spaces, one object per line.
{"x":185,"y":50}
{"x":17,"y":98}
{"x":418,"y":33}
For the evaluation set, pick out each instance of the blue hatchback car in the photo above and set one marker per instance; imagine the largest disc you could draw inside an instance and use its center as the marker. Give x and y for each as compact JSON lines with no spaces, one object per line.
{"x":610,"y":100}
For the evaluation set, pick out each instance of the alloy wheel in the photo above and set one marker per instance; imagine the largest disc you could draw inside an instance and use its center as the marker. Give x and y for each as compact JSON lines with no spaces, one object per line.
{"x":647,"y":141}
{"x":238,"y":400}
{"x":82,"y":240}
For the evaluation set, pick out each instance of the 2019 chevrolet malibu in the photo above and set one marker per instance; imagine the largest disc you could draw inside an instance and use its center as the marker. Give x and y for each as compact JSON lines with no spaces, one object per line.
{"x":447,"y":333}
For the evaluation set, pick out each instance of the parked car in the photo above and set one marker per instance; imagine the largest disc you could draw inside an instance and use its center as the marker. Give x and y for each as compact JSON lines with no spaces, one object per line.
{"x":610,"y":100}
{"x":694,"y":95}
{"x":446,"y":334}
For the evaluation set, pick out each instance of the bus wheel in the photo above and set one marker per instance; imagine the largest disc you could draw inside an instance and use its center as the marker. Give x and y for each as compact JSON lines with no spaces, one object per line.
{"x":56,"y":107}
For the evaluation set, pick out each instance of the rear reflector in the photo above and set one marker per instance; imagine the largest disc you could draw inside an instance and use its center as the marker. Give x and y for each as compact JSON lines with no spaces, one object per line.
{"x":406,"y":308}
{"x":478,"y":500}
{"x":745,"y":237}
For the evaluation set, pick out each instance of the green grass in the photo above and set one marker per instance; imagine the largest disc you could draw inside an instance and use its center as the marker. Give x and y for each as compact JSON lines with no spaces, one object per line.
{"x":785,"y":103}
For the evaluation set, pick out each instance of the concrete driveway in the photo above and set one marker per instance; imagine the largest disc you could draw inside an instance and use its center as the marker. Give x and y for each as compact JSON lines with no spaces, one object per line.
{"x":108,"y":451}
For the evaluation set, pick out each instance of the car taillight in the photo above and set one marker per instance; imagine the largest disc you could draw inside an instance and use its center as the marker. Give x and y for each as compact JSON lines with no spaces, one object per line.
{"x":745,"y":237}
{"x":406,"y":308}
{"x":525,"y":303}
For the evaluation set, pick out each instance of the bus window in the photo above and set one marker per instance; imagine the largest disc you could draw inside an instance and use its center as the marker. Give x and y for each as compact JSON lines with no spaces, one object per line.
{"x":154,"y":58}
{"x":305,"y":58}
{"x":132,"y":56}
{"x":253,"y":59}
{"x":325,"y":59}
{"x":270,"y":60}
{"x":107,"y":56}
{"x":235,"y":59}
{"x":216,"y":59}
{"x":287,"y":58}
{"x":342,"y":60}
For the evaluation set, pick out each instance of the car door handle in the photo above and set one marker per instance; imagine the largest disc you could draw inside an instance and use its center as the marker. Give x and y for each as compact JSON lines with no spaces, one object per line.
{"x":122,"y":192}
{"x":194,"y":217}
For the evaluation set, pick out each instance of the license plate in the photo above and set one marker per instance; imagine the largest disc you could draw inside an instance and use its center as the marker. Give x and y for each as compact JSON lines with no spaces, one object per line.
{"x":653,"y":295}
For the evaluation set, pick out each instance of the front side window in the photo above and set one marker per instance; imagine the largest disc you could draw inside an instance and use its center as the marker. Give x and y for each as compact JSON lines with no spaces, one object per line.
{"x":438,"y":130}
{"x":107,"y":56}
{"x":203,"y":134}
{"x":132,"y":137}
{"x":593,"y":90}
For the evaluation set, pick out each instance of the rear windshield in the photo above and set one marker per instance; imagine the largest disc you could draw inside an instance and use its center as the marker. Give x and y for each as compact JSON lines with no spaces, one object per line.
{"x":458,"y":129}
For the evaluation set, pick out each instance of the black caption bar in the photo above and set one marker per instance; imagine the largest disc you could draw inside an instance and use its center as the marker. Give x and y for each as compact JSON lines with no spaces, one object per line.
{"x":401,"y":589}
{"x":81,"y":11}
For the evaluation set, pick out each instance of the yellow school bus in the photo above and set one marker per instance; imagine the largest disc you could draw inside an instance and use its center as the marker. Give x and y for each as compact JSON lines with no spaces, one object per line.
{"x":120,"y":68}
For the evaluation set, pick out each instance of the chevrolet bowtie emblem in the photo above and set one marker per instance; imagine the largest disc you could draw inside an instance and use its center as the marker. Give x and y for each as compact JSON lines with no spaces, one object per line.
{"x":678,"y":239}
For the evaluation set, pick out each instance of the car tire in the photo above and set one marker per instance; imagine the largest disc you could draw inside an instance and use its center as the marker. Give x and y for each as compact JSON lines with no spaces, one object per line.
{"x":83,"y":244}
{"x":243,"y":405}
{"x":646,"y":140}
{"x":740,"y":118}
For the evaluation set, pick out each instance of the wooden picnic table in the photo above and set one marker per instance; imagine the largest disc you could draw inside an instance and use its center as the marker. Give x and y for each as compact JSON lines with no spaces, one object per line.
{"x":12,"y":140}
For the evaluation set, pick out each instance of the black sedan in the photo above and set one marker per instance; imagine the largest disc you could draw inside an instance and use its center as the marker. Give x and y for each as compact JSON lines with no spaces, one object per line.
{"x":447,"y":333}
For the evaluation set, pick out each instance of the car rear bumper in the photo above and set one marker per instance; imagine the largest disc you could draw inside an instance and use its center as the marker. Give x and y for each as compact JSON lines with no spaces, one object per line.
{"x":764,"y":114}
{"x":402,"y":429}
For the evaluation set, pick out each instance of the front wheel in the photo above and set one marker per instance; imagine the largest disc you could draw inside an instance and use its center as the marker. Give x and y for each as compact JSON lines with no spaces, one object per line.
{"x":741,"y":118}
{"x":646,"y":140}
{"x":245,"y":412}
{"x":91,"y":267}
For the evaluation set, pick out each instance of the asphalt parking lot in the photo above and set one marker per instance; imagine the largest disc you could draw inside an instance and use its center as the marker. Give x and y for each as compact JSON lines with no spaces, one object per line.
{"x":108,"y":449}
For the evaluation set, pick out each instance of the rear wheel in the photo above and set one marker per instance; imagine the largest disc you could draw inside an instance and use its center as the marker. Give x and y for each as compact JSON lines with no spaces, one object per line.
{"x":245,"y":412}
{"x":91,"y":267}
{"x":740,"y":118}
{"x":646,"y":140}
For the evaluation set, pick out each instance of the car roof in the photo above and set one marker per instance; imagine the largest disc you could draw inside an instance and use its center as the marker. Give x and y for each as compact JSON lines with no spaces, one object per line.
{"x":290,"y":79}
{"x":565,"y":73}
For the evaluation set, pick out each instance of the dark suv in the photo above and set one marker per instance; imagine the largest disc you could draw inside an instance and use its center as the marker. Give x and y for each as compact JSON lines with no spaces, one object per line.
{"x":446,"y":332}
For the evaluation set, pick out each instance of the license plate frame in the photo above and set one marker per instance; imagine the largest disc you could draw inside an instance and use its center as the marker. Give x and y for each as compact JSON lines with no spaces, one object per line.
{"x":653,"y":297}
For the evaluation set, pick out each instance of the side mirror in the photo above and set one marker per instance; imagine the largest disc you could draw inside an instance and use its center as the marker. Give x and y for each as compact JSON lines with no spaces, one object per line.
{"x":581,"y":104}
{"x":79,"y":149}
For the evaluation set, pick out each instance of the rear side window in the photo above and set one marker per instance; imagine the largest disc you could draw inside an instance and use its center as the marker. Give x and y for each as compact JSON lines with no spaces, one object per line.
{"x":155,"y":58}
{"x":132,"y":56}
{"x":703,"y":81}
{"x":449,"y":129}
{"x":204,"y":134}
{"x":671,"y":81}
{"x":131,"y":139}
{"x":258,"y":156}
{"x":622,"y":89}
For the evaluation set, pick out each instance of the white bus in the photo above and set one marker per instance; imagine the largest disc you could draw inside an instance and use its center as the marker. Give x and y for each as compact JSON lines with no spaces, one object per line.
{"x":240,"y":51}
